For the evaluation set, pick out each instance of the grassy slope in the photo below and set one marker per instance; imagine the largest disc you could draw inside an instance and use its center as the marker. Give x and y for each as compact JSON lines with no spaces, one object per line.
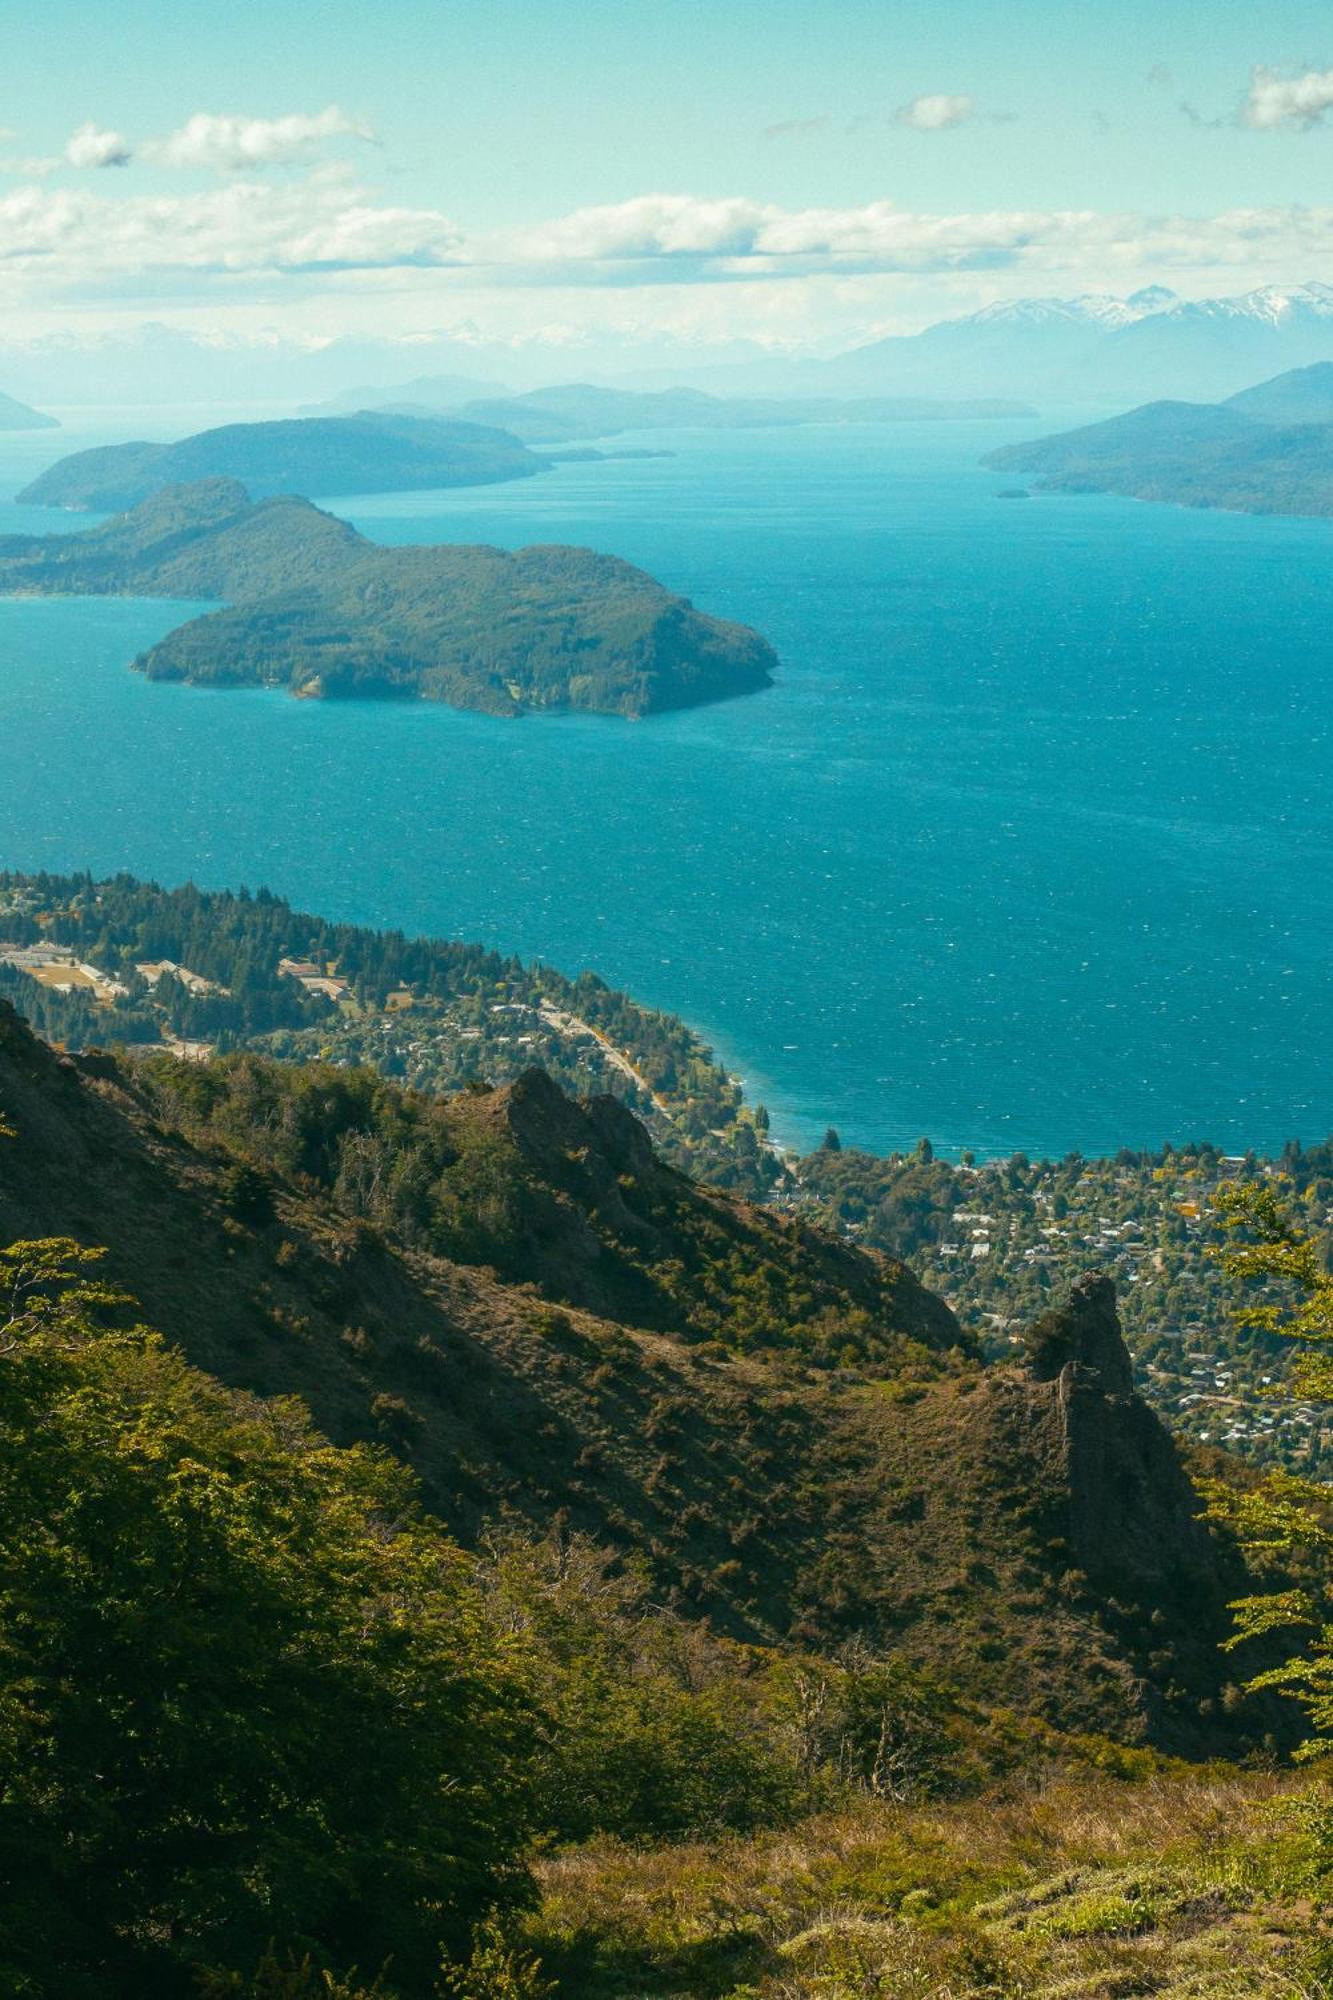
{"x":1180,"y":1886}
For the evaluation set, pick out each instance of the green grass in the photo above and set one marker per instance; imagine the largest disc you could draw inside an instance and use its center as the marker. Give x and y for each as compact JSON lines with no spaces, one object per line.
{"x":1179,"y":1886}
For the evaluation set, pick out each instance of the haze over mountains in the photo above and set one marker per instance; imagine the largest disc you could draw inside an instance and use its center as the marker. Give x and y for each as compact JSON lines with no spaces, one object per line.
{"x":568,"y":411}
{"x":1091,"y":347}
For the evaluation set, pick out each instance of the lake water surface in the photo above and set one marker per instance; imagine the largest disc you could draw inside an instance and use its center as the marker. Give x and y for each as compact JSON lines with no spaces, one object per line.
{"x":1030,"y":847}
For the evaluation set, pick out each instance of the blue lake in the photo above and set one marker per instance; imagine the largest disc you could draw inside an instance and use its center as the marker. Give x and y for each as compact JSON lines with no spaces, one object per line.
{"x":1030,"y":847}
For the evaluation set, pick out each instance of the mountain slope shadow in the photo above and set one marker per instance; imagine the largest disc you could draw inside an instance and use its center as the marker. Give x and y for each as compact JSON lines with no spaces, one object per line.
{"x":1030,"y":1533}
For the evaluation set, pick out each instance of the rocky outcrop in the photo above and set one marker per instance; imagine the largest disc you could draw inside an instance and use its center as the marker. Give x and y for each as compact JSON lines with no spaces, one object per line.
{"x":1033,"y":1532}
{"x":1133,"y":1518}
{"x":1082,"y":1334}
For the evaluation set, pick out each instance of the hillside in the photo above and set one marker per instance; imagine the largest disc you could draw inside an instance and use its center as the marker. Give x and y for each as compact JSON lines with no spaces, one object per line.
{"x":704,"y":1703}
{"x":365,"y":453}
{"x":514,"y":1293}
{"x":1300,"y":396}
{"x":204,"y":540}
{"x":1001,"y":1240}
{"x":319,"y":610}
{"x":1250,"y":455}
{"x":16,"y":416}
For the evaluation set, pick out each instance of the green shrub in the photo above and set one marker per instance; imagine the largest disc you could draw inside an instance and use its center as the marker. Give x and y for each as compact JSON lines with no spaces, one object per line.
{"x":246,"y":1691}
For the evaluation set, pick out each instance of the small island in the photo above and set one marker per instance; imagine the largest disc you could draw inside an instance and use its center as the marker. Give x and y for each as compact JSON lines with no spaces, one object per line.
{"x":1268,"y":450}
{"x":370,"y":452}
{"x":313,"y":607}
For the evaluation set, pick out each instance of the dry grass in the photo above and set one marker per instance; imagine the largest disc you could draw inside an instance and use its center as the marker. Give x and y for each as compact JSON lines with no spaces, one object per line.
{"x":1178,"y":1886}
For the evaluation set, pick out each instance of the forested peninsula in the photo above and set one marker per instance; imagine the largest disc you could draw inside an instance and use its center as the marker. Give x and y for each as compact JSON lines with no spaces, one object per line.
{"x":313,"y":607}
{"x":1268,"y":450}
{"x":368,"y":452}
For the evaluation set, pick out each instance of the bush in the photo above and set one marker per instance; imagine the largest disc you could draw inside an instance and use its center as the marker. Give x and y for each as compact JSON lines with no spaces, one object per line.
{"x":246,"y":1692}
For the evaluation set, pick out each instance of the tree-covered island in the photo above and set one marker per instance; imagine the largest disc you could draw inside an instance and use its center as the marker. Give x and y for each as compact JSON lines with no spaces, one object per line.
{"x":313,"y":607}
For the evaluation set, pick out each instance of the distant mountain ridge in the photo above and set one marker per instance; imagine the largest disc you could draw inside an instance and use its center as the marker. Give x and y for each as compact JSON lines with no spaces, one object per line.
{"x":1090,"y":348}
{"x":16,"y":416}
{"x":570,"y":411}
{"x":1268,"y":450}
{"x":436,"y":392}
{"x":1151,"y":343}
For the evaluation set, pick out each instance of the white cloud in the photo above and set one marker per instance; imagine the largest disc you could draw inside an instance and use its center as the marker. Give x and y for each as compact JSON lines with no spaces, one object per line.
{"x":233,"y":145}
{"x":934,"y":112}
{"x":734,"y":236}
{"x":660,"y":238}
{"x":64,"y":236}
{"x":648,"y":226}
{"x":30,"y":167}
{"x":93,"y":146}
{"x":1275,"y":101}
{"x":318,"y":249}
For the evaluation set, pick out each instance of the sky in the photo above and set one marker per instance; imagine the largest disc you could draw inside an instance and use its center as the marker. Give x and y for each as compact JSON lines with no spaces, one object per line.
{"x":531,"y":173}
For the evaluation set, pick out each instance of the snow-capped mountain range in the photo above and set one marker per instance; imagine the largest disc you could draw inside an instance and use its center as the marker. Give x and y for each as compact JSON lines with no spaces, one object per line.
{"x":1101,"y":348}
{"x":1271,"y":305}
{"x":1091,"y":308}
{"x":1095,"y":348}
